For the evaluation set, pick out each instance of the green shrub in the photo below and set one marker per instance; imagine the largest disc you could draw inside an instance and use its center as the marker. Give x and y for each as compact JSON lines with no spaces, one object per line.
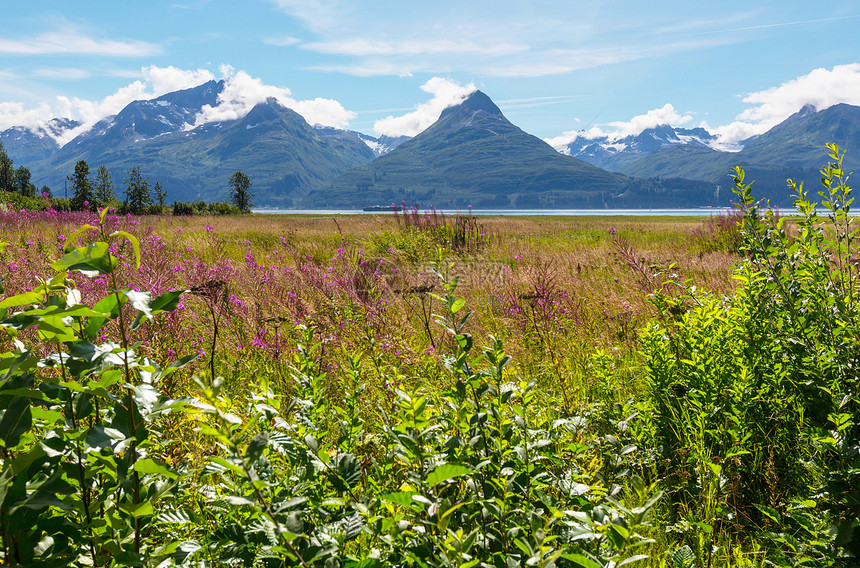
{"x":755,"y":396}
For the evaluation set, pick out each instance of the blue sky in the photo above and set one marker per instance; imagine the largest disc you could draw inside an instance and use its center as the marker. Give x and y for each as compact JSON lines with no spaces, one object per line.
{"x":390,"y":67}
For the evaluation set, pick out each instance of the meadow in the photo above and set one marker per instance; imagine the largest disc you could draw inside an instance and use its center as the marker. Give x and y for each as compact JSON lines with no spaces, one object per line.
{"x":428,"y":390}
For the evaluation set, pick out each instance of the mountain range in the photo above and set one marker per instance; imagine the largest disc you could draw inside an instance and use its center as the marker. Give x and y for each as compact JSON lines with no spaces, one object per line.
{"x":613,"y":153}
{"x":472,"y":155}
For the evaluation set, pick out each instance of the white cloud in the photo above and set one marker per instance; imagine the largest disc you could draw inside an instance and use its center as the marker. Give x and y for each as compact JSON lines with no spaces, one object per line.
{"x":326,"y":112}
{"x":242,"y":92}
{"x":373,"y":67}
{"x":821,"y":88}
{"x":62,"y":73}
{"x":663,"y":115}
{"x":281,"y":41}
{"x":77,"y":42}
{"x":560,"y":142}
{"x":165,"y":80}
{"x":730,"y":136}
{"x":14,"y":114}
{"x":365,"y":47}
{"x":446,"y":93}
{"x":317,"y":15}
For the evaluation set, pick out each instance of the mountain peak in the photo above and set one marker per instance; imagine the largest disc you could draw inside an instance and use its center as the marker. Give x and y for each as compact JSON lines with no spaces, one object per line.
{"x":476,"y":102}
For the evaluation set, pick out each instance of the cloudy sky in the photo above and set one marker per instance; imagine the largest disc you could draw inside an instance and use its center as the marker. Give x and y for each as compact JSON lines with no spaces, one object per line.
{"x":386,"y":67}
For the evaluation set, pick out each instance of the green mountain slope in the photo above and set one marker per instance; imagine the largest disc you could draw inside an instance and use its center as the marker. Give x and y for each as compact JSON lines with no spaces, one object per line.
{"x":473,"y":156}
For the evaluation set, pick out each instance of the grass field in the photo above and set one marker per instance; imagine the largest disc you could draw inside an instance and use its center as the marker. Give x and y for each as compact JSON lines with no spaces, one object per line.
{"x":580,"y":284}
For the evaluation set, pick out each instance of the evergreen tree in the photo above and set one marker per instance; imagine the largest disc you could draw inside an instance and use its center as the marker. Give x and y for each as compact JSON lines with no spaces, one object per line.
{"x":160,"y":196}
{"x":240,"y":191}
{"x":23,"y":184}
{"x":46,"y":192}
{"x":7,"y":171}
{"x":137,"y":192}
{"x":81,"y":187}
{"x":104,"y":192}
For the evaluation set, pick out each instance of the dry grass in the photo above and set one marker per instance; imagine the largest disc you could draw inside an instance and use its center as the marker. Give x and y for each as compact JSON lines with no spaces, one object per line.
{"x":555,"y":289}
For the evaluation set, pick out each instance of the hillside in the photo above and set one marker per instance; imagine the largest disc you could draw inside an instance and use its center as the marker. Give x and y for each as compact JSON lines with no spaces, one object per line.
{"x":472,"y":155}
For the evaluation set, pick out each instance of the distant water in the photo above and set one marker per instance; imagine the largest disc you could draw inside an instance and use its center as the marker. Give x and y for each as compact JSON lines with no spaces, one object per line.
{"x":701,"y":212}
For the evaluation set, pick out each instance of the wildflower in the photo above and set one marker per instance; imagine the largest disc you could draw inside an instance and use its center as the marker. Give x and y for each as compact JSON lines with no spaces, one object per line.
{"x":612,"y":231}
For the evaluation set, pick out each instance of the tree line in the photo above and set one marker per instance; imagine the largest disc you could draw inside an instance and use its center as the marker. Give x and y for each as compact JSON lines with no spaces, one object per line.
{"x":15,"y":180}
{"x":140,"y":196}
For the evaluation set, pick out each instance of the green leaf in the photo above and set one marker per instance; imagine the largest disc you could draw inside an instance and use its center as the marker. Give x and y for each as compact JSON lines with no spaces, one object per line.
{"x":770,"y":513}
{"x":632,"y":559}
{"x":100,"y":437}
{"x":348,"y":470}
{"x":401,"y":498}
{"x":147,"y":307}
{"x":109,"y":306}
{"x":91,"y":260}
{"x":52,"y":328}
{"x":24,"y":299}
{"x":137,"y":510}
{"x":446,"y":471}
{"x":256,"y":446}
{"x":15,"y":420}
{"x":134,"y":243}
{"x":229,"y":465}
{"x":80,"y":231}
{"x":580,"y":560}
{"x":457,"y":305}
{"x":149,"y":466}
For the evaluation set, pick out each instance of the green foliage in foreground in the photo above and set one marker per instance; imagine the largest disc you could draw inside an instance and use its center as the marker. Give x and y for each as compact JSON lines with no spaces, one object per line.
{"x":754,"y":398}
{"x":478,"y":473}
{"x":744,"y":452}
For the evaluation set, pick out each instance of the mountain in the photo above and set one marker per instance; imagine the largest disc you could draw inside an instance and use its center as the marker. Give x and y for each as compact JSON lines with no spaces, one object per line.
{"x":795,"y":149}
{"x":471,"y":155}
{"x":144,"y":120}
{"x":26,"y":145}
{"x":382,"y":145}
{"x":613,"y":153}
{"x":274,"y":146}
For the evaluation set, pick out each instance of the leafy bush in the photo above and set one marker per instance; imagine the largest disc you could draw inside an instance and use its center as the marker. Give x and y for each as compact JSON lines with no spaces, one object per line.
{"x":755,"y":397}
{"x":81,"y":475}
{"x":17,"y":201}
